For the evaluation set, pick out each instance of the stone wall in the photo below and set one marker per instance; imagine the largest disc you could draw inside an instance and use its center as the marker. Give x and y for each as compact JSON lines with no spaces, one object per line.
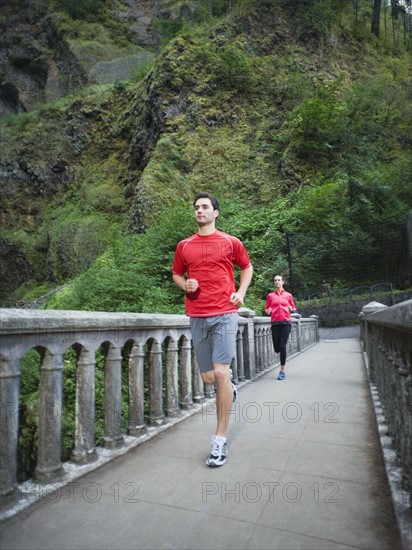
{"x":386,"y":335}
{"x":334,"y":315}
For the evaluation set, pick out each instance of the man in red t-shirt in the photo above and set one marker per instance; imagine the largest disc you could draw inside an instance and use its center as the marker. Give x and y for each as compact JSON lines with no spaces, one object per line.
{"x":279,"y":305}
{"x":203,"y":268}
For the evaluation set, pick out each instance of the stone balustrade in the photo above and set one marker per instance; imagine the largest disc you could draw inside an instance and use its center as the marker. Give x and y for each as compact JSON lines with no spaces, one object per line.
{"x":163,"y":380}
{"x":386,"y":334}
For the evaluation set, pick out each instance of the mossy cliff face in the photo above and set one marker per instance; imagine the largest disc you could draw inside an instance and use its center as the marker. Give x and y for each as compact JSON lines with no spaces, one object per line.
{"x":45,"y":55}
{"x":37,"y":64}
{"x":65,"y":185}
{"x":252,"y":108}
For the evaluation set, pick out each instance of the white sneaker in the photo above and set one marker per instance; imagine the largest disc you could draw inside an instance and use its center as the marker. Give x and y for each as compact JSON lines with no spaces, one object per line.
{"x":218,"y":452}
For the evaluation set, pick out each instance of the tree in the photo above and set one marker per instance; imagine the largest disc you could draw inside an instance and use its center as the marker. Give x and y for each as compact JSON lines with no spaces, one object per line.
{"x":356,"y":8}
{"x":376,"y":16}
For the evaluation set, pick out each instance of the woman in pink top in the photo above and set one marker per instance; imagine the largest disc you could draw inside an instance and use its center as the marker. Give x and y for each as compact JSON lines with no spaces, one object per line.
{"x":279,"y":305}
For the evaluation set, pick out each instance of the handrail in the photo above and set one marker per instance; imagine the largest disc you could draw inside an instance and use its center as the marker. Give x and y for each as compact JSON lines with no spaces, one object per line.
{"x":162,"y":377}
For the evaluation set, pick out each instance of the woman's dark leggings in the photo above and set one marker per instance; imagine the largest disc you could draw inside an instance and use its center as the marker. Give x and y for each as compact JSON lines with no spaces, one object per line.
{"x":280,"y":335}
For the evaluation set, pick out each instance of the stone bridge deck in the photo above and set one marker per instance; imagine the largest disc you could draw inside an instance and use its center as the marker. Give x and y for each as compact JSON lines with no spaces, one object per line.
{"x":304,"y":471}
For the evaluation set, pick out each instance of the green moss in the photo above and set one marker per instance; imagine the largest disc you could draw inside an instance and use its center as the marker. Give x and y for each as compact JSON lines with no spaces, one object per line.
{"x":75,"y":240}
{"x":100,"y":189}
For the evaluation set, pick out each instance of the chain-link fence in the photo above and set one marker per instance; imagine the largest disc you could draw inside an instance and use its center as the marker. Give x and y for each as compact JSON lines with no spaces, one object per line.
{"x":345,"y":262}
{"x":332,"y":296}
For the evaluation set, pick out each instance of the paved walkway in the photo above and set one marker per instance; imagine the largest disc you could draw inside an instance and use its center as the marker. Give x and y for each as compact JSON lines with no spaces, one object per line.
{"x":304,"y":471}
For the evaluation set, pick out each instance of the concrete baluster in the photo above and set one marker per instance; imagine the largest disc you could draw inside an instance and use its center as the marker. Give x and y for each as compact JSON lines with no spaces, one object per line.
{"x":172,"y":379}
{"x":263,"y":359}
{"x":9,"y":425}
{"x":156,"y":413}
{"x":186,"y":396}
{"x":270,"y":344}
{"x":267,"y":344}
{"x":198,"y":387}
{"x":49,"y":466}
{"x":234,"y":367}
{"x":249,"y":343}
{"x":292,"y":341}
{"x":84,"y":446}
{"x":259,"y":363}
{"x":210,"y":390}
{"x":257,"y":357}
{"x":265,"y":355}
{"x":136,"y":425}
{"x":113,"y":437}
{"x":240,"y":358}
{"x":299,"y":338}
{"x":256,"y":348}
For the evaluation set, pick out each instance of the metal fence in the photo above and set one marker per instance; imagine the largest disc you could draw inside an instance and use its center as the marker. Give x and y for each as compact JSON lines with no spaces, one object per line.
{"x":340,"y":295}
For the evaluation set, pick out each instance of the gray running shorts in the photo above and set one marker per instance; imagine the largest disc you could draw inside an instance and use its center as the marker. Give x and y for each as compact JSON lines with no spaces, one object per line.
{"x":214,"y":339}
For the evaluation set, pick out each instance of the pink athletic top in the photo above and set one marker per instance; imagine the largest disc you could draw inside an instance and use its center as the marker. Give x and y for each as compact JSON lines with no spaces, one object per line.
{"x":280,"y":303}
{"x":210,"y":259}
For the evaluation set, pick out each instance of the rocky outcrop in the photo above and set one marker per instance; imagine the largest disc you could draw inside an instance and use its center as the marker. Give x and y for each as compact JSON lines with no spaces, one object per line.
{"x":139,"y":14}
{"x":15,"y":268}
{"x":36,"y":62}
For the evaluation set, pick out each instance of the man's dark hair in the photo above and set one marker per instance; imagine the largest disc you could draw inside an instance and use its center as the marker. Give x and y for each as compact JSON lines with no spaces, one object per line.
{"x":206,"y":195}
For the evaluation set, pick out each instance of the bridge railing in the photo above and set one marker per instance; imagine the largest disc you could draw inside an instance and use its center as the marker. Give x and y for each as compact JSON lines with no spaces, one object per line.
{"x":163,"y":380}
{"x":386,"y":334}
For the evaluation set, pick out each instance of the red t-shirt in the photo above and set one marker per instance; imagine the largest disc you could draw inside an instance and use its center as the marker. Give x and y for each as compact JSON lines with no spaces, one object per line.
{"x":210,"y":259}
{"x":280,"y":303}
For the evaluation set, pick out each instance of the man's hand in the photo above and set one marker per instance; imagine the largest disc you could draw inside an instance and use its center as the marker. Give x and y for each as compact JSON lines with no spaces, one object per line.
{"x":236,"y":299}
{"x":191,"y":285}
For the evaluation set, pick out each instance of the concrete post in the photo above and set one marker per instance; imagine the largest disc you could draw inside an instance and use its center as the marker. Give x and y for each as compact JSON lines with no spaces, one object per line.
{"x":156,"y":413}
{"x":249,"y":343}
{"x":84,"y":443}
{"x":172,"y":377}
{"x":297,"y":317}
{"x":113,"y":399}
{"x":198,"y":385}
{"x":9,"y":425}
{"x":49,"y":467}
{"x":239,"y":350}
{"x":136,"y":424}
{"x":317,"y":326}
{"x":369,"y":346}
{"x":186,"y":397}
